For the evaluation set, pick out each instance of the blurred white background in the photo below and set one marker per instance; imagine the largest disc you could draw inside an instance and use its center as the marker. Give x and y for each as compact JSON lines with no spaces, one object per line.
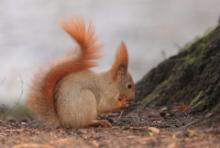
{"x":30,"y":34}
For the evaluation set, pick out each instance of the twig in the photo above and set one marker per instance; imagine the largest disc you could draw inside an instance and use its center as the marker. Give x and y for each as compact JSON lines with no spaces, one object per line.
{"x":193,"y":122}
{"x":121,"y":113}
{"x":22,"y":90}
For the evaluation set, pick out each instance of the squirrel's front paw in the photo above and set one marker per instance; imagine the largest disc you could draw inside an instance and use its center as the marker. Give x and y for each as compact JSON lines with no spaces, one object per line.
{"x":101,"y":123}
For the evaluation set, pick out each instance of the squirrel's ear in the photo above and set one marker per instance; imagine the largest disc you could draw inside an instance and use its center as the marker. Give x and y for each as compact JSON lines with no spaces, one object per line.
{"x":120,"y":66}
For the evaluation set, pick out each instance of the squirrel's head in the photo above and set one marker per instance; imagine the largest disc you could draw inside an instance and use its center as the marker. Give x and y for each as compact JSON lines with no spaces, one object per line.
{"x":122,"y":78}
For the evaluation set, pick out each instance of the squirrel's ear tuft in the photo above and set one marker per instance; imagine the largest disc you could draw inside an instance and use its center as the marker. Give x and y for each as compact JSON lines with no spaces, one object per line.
{"x":120,"y":66}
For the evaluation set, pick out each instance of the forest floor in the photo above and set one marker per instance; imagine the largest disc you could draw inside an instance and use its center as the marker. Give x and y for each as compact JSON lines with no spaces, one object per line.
{"x":149,"y":127}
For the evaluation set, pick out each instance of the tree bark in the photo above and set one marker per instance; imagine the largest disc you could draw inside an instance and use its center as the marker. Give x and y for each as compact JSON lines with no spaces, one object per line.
{"x":191,"y":77}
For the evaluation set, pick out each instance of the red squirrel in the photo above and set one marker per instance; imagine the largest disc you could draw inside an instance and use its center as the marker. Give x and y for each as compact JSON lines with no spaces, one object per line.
{"x":70,"y":94}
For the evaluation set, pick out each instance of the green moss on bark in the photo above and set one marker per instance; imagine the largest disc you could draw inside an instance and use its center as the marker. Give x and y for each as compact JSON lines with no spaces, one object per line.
{"x":192,"y":76}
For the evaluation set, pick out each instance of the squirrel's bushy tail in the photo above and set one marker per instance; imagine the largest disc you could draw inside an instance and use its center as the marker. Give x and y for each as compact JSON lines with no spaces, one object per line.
{"x":41,"y":98}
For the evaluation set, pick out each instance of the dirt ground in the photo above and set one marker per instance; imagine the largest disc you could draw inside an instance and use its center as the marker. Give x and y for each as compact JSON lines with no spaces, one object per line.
{"x":145,"y":127}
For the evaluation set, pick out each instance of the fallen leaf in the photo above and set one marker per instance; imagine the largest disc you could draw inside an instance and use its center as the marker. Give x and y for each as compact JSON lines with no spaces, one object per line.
{"x":172,"y":145}
{"x":154,"y":130}
{"x":32,"y":145}
{"x":183,"y":107}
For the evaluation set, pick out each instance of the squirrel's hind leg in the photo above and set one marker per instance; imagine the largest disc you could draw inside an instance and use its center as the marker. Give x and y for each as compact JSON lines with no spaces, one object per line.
{"x":78,"y":109}
{"x":101,"y":123}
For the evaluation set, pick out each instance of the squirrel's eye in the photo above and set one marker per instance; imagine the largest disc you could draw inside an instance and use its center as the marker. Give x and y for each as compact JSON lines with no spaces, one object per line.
{"x":129,"y":86}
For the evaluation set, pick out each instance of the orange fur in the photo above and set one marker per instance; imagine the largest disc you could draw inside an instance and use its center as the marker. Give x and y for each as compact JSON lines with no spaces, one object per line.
{"x":84,"y":35}
{"x":120,"y":60}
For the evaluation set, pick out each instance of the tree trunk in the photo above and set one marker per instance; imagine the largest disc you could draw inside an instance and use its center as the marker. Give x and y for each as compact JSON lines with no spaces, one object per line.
{"x":192,"y":77}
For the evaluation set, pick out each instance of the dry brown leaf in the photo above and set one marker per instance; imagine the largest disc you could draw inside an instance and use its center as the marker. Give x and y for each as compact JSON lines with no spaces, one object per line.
{"x":191,"y":132}
{"x":154,"y":130}
{"x":182,"y":107}
{"x":174,"y":136}
{"x":63,"y":141}
{"x":145,"y":140}
{"x":172,"y":145}
{"x":95,"y":143}
{"x":32,"y":145}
